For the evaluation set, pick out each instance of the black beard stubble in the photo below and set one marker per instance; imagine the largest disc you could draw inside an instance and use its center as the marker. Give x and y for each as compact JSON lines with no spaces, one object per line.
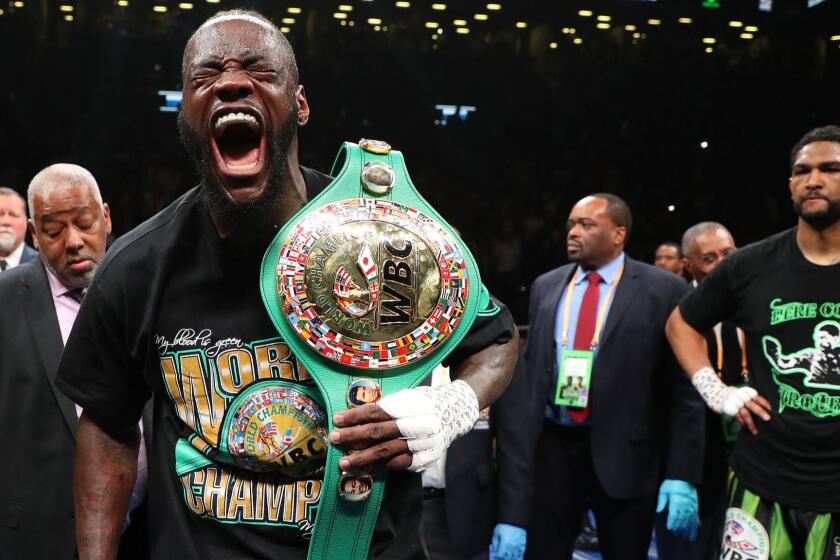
{"x":820,"y":221}
{"x":253,"y":214}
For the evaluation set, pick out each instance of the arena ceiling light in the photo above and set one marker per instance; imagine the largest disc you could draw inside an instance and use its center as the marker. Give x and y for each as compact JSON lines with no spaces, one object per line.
{"x":604,"y":18}
{"x":709,"y":40}
{"x":17,"y":4}
{"x":294,"y":10}
{"x":835,"y":37}
{"x":68,"y":17}
{"x":577,"y":41}
{"x":735,"y":23}
{"x":603,"y":25}
{"x":122,"y":3}
{"x":751,"y":29}
{"x":585,"y":13}
{"x":403,"y":4}
{"x":185,"y":6}
{"x":462,"y":30}
{"x":431,"y":25}
{"x":2,"y":12}
{"x":494,"y":7}
{"x":630,"y":28}
{"x":439,"y":7}
{"x":340,"y":15}
{"x":521,"y":25}
{"x":552,"y":45}
{"x":374,"y":21}
{"x":345,"y":8}
{"x":709,"y":50}
{"x":285,"y":29}
{"x":159,"y":9}
{"x":66,"y":8}
{"x":459,"y":22}
{"x":213,"y":1}
{"x":654,"y":22}
{"x":685,"y":20}
{"x":481,"y":17}
{"x":747,"y":35}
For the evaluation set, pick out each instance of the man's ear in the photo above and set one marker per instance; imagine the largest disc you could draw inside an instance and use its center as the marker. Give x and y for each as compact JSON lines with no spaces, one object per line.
{"x":303,"y":106}
{"x":620,"y":235}
{"x":30,"y":225}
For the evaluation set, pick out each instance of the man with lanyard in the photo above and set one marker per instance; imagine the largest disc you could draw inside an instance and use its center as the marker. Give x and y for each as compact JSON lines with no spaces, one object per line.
{"x":705,"y":245}
{"x":782,"y":292}
{"x":601,"y":318}
{"x":175,"y":312}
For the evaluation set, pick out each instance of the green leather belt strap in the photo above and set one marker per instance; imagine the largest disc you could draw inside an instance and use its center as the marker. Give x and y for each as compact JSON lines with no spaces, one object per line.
{"x":343,"y":529}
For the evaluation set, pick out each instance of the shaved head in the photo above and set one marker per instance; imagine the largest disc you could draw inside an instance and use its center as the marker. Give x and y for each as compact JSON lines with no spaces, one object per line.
{"x":281,"y":44}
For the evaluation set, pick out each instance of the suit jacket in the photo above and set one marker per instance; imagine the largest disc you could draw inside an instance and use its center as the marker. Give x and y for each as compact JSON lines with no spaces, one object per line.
{"x":482,"y":490}
{"x":37,"y":423}
{"x":28,"y":254}
{"x":647,"y":421}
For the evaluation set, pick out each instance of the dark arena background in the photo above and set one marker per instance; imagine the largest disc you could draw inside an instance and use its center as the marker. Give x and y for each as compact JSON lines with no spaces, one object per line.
{"x":507,"y":112}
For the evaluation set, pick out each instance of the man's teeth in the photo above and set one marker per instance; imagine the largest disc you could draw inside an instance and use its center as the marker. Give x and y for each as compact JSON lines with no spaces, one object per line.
{"x":236,"y":117}
{"x":242,"y":167}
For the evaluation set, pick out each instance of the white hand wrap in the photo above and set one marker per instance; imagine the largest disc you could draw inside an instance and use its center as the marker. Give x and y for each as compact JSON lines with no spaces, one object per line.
{"x":431,"y":418}
{"x":719,"y":396}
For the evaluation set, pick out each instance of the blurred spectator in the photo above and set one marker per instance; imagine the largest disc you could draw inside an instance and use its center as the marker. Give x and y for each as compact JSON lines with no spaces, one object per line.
{"x":705,"y":245}
{"x":669,"y":257}
{"x":13,"y":250}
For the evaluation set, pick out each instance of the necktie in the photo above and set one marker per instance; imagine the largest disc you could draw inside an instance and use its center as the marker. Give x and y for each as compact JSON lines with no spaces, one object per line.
{"x":3,"y":265}
{"x":76,"y":295}
{"x":585,"y":330}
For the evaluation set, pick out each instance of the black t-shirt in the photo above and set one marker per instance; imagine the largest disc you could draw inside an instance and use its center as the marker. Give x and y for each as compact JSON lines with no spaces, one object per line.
{"x":175,"y":313}
{"x":789,"y":310}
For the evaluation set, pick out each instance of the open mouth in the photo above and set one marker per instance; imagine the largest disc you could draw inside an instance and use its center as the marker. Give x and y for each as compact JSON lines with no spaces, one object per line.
{"x":238,"y":143}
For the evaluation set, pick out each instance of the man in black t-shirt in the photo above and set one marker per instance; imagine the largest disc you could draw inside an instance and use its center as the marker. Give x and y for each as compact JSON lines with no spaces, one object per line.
{"x":785,"y":490}
{"x":175,"y":313}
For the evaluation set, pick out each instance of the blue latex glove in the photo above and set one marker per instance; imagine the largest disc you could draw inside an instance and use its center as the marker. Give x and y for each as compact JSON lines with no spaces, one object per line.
{"x":508,"y":542}
{"x":680,"y":497}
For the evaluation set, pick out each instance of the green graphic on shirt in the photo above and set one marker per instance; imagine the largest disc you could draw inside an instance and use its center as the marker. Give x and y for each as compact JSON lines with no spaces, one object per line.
{"x":783,"y":312}
{"x":203,"y":375}
{"x":794,"y":310}
{"x":237,"y":496}
{"x":819,"y":365}
{"x":820,"y":404}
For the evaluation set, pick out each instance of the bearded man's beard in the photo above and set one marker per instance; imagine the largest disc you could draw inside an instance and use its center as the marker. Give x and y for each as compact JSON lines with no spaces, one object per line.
{"x":258,"y":211}
{"x":820,"y":220}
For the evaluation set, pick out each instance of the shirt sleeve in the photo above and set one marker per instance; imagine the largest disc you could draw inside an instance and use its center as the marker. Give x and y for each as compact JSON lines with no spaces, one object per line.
{"x":493,"y":325}
{"x":99,"y":369}
{"x":713,"y":300}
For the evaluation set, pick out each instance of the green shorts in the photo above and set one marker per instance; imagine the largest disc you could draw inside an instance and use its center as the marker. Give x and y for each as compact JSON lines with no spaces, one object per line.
{"x":760,"y":529}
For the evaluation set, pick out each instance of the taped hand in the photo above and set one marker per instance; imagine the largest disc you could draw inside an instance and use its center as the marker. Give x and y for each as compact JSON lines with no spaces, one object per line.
{"x":431,"y":418}
{"x":680,"y":498}
{"x":508,"y":542}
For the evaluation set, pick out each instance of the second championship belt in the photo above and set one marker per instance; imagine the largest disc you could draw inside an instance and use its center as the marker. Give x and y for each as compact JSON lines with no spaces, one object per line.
{"x":371,"y":289}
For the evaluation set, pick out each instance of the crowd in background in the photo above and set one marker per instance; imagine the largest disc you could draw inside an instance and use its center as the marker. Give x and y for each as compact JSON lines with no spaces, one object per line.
{"x":613,"y":114}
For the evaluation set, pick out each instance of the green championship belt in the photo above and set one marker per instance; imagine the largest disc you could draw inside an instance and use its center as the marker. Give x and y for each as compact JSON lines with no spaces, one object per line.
{"x":371,"y":289}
